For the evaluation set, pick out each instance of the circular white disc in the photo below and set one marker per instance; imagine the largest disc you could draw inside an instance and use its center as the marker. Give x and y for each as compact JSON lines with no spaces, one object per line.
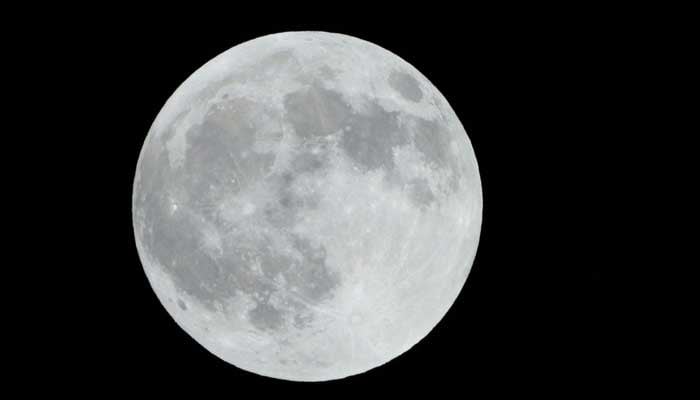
{"x":307,"y":206}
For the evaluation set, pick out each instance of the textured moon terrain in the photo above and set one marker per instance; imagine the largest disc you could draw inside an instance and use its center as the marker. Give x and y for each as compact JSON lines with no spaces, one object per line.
{"x":307,"y":206}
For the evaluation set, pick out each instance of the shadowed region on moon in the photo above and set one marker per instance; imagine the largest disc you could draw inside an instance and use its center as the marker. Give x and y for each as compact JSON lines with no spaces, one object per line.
{"x":406,"y":85}
{"x":311,"y":202}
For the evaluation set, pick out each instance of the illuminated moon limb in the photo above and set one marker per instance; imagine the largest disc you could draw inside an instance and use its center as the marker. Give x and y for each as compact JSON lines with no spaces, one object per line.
{"x":307,"y":206}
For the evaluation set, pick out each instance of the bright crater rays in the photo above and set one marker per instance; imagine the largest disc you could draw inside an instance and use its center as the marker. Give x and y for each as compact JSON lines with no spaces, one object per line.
{"x":307,"y":206}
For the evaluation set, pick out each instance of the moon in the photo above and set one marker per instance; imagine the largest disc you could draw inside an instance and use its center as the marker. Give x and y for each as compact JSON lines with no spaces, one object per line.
{"x":307,"y":206}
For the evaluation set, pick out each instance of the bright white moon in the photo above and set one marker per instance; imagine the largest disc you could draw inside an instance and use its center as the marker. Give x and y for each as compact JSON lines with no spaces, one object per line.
{"x":307,"y":206}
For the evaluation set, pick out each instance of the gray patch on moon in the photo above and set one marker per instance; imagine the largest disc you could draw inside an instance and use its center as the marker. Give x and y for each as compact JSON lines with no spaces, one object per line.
{"x":288,"y":203}
{"x":315,"y":111}
{"x":302,"y":320}
{"x":214,"y":169}
{"x":326,"y":72}
{"x":406,"y":85}
{"x":277,"y":61}
{"x":371,"y":137}
{"x":431,"y":139}
{"x":314,"y":279}
{"x":214,"y":157}
{"x":265,"y":317}
{"x":171,"y":241}
{"x":306,"y":277}
{"x":211,"y":280}
{"x":308,"y":161}
{"x":420,"y":193}
{"x":368,"y":137}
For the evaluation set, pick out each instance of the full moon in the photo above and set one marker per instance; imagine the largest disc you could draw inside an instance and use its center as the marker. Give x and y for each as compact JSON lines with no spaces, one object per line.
{"x":307,"y":206}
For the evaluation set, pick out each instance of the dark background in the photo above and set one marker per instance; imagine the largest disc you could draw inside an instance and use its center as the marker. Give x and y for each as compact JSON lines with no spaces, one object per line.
{"x":527,"y":92}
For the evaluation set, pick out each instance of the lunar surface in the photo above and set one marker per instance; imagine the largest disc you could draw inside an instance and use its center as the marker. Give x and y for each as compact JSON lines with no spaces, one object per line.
{"x":307,"y":206}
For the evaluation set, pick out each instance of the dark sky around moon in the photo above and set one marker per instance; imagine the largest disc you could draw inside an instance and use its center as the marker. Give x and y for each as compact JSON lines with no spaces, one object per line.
{"x":531,"y":309}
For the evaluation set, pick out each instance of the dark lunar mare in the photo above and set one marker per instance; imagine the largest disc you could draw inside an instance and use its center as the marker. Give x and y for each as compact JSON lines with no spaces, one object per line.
{"x":213,"y":167}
